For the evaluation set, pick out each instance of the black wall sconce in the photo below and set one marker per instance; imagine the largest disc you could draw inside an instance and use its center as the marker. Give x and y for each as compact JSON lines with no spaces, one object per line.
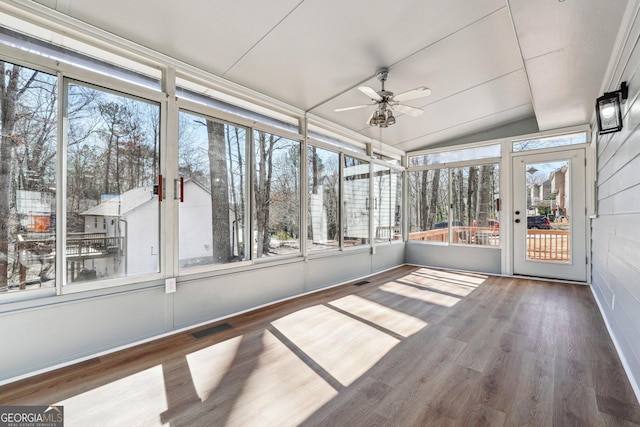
{"x":609,"y":110}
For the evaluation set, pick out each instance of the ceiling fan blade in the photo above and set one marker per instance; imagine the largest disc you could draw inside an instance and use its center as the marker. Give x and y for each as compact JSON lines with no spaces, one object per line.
{"x":355,"y":107}
{"x":409,"y":111}
{"x":371,"y":93}
{"x":416,"y":93}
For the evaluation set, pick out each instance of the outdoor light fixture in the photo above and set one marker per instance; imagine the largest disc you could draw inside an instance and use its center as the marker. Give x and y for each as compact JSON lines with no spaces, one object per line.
{"x":609,"y":110}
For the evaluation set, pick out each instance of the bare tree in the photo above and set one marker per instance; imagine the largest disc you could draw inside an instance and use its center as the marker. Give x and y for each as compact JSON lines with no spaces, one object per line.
{"x":12,"y":88}
{"x":219,"y":192}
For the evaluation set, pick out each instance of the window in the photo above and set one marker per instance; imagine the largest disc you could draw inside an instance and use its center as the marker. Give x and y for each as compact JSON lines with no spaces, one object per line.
{"x":474,"y":196}
{"x":387,"y":200}
{"x":276,"y":186}
{"x":212,"y":212}
{"x":456,"y":205}
{"x":550,"y":142}
{"x":28,"y":162}
{"x":356,"y":202}
{"x":429,"y":205}
{"x":323,"y":199}
{"x":460,"y":155}
{"x":112,"y":165}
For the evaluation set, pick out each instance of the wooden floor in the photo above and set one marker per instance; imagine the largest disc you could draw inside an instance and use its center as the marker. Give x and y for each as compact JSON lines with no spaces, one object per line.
{"x":413,"y":347}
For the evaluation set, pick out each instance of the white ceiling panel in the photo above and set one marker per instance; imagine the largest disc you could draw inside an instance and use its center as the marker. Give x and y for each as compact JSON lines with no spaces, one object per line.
{"x":488,"y":63}
{"x":211,"y":35}
{"x":566,"y":47}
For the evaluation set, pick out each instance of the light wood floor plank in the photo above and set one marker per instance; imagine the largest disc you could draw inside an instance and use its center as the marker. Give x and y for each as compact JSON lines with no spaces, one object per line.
{"x":415,"y":346}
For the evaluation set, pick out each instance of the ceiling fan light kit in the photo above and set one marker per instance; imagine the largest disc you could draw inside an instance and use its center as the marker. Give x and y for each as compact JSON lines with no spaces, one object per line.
{"x":386,"y":102}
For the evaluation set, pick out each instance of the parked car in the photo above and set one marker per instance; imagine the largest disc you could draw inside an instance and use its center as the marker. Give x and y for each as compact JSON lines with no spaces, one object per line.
{"x":445,"y":224}
{"x":538,"y":222}
{"x":493,"y":227}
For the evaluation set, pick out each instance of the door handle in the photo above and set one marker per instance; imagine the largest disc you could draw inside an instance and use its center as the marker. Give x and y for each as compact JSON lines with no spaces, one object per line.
{"x":518,"y":221}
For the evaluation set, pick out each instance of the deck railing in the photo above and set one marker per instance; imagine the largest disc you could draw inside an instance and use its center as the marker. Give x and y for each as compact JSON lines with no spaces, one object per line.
{"x":542,"y":245}
{"x":548,"y":245}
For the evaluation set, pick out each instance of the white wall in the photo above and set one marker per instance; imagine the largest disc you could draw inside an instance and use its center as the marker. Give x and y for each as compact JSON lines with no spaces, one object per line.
{"x":616,"y":230}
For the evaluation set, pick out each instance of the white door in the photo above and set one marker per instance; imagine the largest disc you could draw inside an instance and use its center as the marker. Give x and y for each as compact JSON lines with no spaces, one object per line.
{"x":549,"y":215}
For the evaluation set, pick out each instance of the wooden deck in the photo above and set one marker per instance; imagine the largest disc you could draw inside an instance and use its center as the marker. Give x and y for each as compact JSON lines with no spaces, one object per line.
{"x":412,"y":347}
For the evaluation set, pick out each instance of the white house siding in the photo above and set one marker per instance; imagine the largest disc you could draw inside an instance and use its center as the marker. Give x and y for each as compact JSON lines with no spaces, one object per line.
{"x":356,"y":202}
{"x":195,"y":224}
{"x":616,"y":230}
{"x":142,"y":241}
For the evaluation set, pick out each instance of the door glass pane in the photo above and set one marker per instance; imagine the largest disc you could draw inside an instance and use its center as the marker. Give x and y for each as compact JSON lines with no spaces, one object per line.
{"x":429,"y":205}
{"x":356,"y":202}
{"x":28,"y":117}
{"x":548,"y":211}
{"x":475,"y":191}
{"x":212,"y":210}
{"x":112,"y":166}
{"x":276,"y":187}
{"x":323,"y":199}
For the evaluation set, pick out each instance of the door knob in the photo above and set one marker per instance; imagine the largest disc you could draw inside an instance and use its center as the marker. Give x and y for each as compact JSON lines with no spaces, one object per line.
{"x":518,"y":221}
{"x":517,"y":212}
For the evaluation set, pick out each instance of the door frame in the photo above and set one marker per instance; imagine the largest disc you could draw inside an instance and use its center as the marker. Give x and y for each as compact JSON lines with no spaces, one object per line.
{"x":580,"y":229}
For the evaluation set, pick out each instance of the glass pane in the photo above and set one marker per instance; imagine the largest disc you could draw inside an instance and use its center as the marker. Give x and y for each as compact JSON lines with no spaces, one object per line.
{"x":212,"y":213}
{"x":550,"y":142}
{"x":356,"y":203}
{"x":28,"y":117}
{"x":548,"y":211}
{"x":277,"y":195}
{"x":112,"y":165}
{"x":474,"y":195}
{"x":429,"y":205}
{"x":323,"y":199}
{"x":466,"y":154}
{"x":387,"y":190}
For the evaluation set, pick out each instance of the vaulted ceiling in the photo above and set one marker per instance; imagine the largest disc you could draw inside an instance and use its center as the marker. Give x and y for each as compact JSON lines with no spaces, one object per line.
{"x":489,"y":63}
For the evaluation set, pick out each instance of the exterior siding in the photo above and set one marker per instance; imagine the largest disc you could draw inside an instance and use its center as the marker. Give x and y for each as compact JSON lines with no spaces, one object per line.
{"x":615,"y":235}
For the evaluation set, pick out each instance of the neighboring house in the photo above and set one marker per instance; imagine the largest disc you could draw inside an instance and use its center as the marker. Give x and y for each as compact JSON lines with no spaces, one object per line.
{"x":133,"y":218}
{"x":357,"y":203}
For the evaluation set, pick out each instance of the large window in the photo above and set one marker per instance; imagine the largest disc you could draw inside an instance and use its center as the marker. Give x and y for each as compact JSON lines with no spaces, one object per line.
{"x":429,"y":205}
{"x":474,"y":200}
{"x":356,"y":202}
{"x":323,"y":199}
{"x":457,"y":205}
{"x":112,"y":165}
{"x":276,"y":187}
{"x":28,"y":160}
{"x":213,"y":203}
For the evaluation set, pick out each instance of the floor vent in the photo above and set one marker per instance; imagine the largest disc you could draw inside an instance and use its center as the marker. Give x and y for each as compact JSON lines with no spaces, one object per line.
{"x":212,"y":330}
{"x":364,"y":282}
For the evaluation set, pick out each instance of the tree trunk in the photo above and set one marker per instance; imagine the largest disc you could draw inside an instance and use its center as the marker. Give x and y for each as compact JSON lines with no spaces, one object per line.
{"x":219,"y":193}
{"x":484,"y":195}
{"x":424,"y":203}
{"x":8,"y":101}
{"x":433,"y":200}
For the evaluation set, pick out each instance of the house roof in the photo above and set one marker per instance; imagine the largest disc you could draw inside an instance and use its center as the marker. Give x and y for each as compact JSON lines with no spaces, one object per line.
{"x":114,"y":205}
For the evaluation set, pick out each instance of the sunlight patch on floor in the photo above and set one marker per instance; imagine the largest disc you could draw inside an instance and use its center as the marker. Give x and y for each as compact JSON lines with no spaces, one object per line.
{"x":281,"y":388}
{"x":209,"y":365}
{"x":346,"y":348}
{"x":106,"y":405}
{"x":473,"y":279}
{"x":393,"y":320}
{"x":422,"y":294}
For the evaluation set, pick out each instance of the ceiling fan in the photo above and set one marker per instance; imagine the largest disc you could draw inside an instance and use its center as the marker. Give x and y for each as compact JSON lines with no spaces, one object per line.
{"x":387,"y":102}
